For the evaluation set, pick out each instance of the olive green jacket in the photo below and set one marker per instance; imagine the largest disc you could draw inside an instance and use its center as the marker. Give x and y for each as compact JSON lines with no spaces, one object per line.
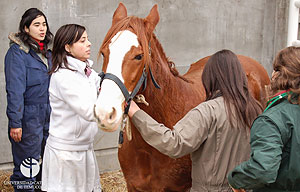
{"x":274,"y":164}
{"x":205,"y":132}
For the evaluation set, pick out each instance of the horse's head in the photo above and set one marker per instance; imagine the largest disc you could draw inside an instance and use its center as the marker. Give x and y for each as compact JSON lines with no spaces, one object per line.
{"x":125,"y":51}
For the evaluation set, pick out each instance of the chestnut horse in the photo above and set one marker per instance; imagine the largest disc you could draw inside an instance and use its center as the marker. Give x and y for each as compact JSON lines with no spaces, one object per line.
{"x":130,"y":51}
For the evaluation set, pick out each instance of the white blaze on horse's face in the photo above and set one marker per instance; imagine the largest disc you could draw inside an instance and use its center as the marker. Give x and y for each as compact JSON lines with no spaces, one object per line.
{"x":108,"y":108}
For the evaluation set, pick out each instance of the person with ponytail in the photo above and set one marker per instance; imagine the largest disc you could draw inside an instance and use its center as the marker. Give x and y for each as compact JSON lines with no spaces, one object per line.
{"x":275,"y":134}
{"x":27,"y":63}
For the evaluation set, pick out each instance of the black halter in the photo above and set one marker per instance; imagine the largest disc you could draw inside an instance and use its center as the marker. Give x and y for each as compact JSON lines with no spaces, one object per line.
{"x":129,"y":97}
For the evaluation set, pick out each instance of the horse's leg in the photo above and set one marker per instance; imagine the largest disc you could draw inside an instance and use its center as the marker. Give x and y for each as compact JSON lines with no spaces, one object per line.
{"x":135,"y":163}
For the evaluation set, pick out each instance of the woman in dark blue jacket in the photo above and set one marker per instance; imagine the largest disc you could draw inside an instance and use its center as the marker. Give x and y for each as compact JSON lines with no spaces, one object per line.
{"x":27,"y":63}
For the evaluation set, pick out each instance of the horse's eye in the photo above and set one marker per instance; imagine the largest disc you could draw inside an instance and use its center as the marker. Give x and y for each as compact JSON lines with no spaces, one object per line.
{"x":102,"y":54}
{"x":138,"y":57}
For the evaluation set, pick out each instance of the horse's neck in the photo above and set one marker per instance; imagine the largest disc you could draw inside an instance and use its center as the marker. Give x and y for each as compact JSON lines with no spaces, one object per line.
{"x":174,"y":98}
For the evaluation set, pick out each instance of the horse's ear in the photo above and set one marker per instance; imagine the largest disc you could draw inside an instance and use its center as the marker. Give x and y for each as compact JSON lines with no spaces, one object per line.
{"x":152,"y":19}
{"x":120,"y":13}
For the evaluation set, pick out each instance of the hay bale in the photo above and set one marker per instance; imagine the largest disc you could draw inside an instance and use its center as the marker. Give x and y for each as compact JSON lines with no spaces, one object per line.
{"x":4,"y":182}
{"x":111,"y":181}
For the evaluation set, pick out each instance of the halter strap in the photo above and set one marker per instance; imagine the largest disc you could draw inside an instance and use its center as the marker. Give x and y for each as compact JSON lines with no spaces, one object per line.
{"x":153,"y":80}
{"x":117,"y":81}
{"x":128,"y":96}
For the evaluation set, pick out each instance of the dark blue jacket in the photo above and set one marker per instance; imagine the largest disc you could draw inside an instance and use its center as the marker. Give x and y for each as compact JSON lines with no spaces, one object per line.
{"x":27,"y":81}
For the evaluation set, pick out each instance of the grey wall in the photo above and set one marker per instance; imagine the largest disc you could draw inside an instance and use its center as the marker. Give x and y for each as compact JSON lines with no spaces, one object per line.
{"x":188,"y":30}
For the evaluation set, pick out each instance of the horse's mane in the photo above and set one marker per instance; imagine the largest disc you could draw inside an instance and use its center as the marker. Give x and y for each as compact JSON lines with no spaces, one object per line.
{"x":170,"y":63}
{"x":137,"y":26}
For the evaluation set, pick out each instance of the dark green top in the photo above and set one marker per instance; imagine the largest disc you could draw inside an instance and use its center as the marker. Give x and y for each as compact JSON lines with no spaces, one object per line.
{"x":274,"y":164}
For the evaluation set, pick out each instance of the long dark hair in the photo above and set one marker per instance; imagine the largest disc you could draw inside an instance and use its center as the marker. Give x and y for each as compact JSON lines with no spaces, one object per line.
{"x":26,"y":20}
{"x":286,"y":75}
{"x":65,"y":35}
{"x":224,"y":75}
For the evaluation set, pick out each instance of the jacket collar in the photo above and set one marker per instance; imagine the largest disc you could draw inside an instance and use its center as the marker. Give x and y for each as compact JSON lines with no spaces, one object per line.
{"x":14,"y":39}
{"x":78,"y":65}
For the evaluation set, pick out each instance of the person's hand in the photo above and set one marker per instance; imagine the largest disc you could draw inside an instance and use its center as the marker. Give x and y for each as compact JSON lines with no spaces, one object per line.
{"x":16,"y":134}
{"x":133,"y":108}
{"x":238,"y":190}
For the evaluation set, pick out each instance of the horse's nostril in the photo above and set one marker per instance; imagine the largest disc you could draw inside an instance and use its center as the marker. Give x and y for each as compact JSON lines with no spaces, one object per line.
{"x":113,"y":114}
{"x":95,"y":114}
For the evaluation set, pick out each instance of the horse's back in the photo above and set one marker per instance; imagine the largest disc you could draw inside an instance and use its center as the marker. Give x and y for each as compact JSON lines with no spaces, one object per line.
{"x":195,"y":71}
{"x":256,"y":74}
{"x":258,"y":78}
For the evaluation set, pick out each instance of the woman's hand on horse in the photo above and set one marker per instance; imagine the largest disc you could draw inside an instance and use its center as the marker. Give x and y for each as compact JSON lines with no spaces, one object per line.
{"x":133,"y":108}
{"x":16,"y":134}
{"x":238,"y":190}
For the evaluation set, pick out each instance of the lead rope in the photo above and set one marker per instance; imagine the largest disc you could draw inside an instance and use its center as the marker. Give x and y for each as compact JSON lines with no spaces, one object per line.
{"x":126,"y":125}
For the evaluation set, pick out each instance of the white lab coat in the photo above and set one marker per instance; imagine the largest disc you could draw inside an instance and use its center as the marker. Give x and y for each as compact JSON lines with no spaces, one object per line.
{"x":69,"y":159}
